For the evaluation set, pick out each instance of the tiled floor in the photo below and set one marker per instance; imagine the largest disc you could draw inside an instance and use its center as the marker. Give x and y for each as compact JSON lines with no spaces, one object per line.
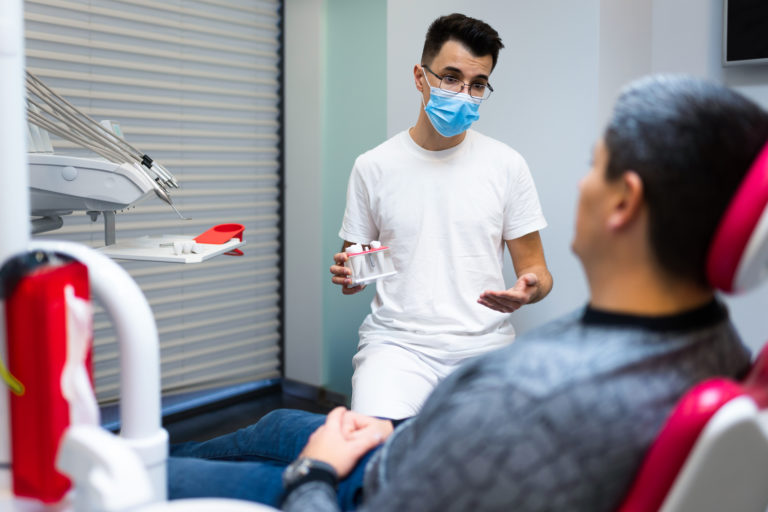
{"x":223,"y":420}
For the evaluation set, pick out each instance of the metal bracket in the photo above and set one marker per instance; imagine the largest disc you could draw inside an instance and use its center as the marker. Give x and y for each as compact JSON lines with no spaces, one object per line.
{"x":109,"y":224}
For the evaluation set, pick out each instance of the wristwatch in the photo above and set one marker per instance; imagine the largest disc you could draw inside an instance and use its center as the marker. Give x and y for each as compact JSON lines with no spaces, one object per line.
{"x":304,"y":470}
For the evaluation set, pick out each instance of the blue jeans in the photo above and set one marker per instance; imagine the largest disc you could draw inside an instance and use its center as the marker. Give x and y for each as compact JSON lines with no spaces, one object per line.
{"x":248,"y":464}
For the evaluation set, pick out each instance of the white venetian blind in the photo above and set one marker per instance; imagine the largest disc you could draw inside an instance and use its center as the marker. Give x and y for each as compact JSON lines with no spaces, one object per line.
{"x":195,"y":84}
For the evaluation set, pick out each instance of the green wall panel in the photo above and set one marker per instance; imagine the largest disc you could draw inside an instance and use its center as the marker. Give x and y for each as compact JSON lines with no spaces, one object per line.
{"x":354,"y":121}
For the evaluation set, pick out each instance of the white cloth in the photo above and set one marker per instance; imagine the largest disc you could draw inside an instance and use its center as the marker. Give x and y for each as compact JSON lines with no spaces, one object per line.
{"x":393,"y":381}
{"x":445,"y":215}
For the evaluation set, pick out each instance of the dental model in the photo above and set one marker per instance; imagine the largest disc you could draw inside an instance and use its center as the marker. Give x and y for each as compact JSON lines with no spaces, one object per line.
{"x":370,"y":264}
{"x":186,"y":247}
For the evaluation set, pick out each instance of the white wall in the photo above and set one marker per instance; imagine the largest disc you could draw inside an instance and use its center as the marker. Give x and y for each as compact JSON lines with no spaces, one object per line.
{"x":625,"y":52}
{"x":544,"y":105}
{"x":687,"y":37}
{"x":304,"y":56}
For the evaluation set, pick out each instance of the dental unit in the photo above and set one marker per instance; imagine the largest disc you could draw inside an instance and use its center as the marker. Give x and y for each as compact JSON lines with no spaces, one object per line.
{"x":61,"y":184}
{"x":107,"y":472}
{"x":121,"y":179}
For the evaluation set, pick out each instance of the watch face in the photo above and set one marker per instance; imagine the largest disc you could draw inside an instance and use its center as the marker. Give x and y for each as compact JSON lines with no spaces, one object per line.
{"x":301,"y":467}
{"x":296,"y":470}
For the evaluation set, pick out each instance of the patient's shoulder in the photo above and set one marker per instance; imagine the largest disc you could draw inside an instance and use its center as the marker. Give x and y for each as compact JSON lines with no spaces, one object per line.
{"x":543,"y":358}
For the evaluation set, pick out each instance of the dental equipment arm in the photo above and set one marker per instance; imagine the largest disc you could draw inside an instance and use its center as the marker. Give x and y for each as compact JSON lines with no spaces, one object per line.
{"x":52,"y":112}
{"x":59,"y":107}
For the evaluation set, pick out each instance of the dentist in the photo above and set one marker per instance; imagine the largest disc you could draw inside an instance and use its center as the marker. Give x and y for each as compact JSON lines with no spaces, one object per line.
{"x":446,"y":200}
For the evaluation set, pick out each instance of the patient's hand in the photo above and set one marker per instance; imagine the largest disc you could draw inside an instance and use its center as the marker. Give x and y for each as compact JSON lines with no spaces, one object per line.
{"x":511,"y":300}
{"x":341,"y":443}
{"x":353,"y":423}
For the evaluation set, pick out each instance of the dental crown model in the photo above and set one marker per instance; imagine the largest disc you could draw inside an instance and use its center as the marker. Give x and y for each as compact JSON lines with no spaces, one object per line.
{"x":369,"y":264}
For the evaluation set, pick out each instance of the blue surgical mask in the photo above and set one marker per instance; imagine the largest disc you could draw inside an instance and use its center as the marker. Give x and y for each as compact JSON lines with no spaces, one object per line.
{"x":451,"y":113}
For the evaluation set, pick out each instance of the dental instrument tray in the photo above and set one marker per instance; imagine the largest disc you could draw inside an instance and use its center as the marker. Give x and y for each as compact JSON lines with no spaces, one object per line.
{"x":169,"y":248}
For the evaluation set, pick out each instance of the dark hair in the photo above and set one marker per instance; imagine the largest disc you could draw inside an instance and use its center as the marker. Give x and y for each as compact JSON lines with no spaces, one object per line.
{"x":691,"y":142}
{"x":478,"y":37}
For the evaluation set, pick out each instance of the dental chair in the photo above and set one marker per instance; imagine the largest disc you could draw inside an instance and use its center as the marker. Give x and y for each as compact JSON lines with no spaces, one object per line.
{"x":712,"y":453}
{"x":109,"y":473}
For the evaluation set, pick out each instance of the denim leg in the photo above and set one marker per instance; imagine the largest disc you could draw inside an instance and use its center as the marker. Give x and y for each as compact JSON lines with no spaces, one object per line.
{"x":248,"y":464}
{"x":243,"y":480}
{"x":200,"y":478}
{"x":278,"y":436}
{"x":350,"y":490}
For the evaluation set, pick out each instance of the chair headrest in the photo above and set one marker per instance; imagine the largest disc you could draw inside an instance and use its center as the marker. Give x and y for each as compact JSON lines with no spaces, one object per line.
{"x":738,"y":257}
{"x":672,"y":446}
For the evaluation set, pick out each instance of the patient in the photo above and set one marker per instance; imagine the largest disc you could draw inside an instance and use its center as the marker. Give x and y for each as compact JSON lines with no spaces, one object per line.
{"x":561,"y":419}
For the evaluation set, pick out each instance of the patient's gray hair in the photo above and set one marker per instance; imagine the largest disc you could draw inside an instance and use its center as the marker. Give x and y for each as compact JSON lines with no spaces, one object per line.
{"x":691,"y":141}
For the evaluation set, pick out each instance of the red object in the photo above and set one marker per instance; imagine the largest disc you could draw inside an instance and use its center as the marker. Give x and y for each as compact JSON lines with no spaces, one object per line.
{"x":756,"y":382}
{"x":37,"y":349}
{"x":676,"y":439}
{"x":222,"y":234}
{"x":369,"y":251}
{"x":738,"y":224}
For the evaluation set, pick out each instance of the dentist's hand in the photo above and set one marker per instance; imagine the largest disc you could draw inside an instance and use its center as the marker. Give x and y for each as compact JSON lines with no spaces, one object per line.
{"x":341,"y":274}
{"x":511,"y":300}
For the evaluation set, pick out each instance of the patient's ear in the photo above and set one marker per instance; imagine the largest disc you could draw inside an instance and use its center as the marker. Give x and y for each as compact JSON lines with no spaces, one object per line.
{"x":629,"y":201}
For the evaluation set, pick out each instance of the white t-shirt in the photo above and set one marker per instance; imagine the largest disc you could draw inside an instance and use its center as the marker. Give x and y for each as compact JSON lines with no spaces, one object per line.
{"x":445,"y":216}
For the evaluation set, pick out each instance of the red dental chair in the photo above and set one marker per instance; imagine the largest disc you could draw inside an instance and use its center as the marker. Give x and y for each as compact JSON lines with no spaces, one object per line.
{"x":712,"y":453}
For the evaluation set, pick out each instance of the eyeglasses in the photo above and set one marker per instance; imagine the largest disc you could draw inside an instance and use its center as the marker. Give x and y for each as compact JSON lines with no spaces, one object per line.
{"x":453,"y":85}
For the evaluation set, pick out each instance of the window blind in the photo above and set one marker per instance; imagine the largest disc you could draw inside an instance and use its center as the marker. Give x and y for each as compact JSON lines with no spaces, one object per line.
{"x":196,"y":85}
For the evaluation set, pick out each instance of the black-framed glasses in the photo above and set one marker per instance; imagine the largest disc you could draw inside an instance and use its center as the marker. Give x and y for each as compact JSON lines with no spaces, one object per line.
{"x":453,"y":85}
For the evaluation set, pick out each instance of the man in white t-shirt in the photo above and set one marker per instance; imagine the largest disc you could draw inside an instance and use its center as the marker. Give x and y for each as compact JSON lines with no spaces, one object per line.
{"x":445,"y":200}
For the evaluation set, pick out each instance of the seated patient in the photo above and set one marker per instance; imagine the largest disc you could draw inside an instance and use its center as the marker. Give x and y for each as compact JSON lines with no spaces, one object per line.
{"x":561,"y":419}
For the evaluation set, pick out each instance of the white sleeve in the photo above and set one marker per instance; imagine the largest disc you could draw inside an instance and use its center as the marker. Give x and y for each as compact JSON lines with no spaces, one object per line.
{"x":522,"y":210}
{"x":358,"y":224}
